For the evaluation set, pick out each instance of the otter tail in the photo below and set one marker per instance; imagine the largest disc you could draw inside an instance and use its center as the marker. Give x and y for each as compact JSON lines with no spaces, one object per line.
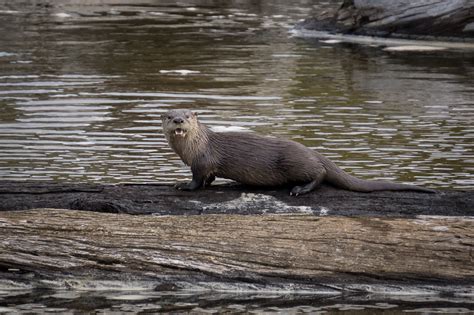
{"x":339,"y":178}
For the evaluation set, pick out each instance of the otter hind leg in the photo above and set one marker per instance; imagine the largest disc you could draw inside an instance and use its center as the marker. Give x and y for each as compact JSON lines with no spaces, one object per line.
{"x":304,"y":189}
{"x":209,"y":180}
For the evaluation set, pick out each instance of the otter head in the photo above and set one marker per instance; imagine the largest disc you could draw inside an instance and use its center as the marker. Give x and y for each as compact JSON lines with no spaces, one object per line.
{"x":178,"y":122}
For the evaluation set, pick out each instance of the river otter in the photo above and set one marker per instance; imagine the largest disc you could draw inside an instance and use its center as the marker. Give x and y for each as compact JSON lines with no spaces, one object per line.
{"x":256,"y":160}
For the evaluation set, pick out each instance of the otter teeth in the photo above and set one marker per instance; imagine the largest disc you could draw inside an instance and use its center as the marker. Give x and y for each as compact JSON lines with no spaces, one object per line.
{"x":180,"y":132}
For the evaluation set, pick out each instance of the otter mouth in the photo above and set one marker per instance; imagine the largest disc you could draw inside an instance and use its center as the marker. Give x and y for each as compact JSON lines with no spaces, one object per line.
{"x":180,"y":132}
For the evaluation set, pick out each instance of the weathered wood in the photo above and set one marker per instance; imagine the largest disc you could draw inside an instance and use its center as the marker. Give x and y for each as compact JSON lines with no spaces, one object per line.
{"x":399,"y":18}
{"x":230,"y":199}
{"x":77,"y":249}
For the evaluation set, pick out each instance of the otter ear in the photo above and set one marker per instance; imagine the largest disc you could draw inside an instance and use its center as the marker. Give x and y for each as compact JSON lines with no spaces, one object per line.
{"x":195,"y":114}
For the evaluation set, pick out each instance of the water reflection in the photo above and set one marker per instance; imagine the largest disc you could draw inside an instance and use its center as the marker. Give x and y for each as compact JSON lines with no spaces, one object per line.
{"x":83,"y":85}
{"x":27,"y":302}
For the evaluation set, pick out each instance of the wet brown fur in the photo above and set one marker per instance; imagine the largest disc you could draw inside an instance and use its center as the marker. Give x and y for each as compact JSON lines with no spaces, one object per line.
{"x":257,"y":160}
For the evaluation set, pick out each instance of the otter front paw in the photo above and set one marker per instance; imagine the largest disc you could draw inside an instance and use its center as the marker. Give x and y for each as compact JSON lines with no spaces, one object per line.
{"x":187,"y":186}
{"x":183,"y":186}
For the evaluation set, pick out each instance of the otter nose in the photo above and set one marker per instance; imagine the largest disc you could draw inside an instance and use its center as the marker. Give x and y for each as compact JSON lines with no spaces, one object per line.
{"x":178,"y":120}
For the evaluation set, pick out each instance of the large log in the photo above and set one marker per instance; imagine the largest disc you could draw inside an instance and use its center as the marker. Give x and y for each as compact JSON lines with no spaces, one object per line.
{"x":399,"y":18}
{"x":230,"y":199}
{"x":76,"y":249}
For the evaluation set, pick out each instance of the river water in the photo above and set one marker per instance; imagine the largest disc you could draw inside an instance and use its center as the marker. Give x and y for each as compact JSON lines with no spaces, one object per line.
{"x":83,"y":85}
{"x":151,"y":302}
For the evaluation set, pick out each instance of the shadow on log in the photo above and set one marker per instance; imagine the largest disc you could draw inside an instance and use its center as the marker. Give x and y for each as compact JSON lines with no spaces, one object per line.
{"x":83,"y":250}
{"x":230,"y":199}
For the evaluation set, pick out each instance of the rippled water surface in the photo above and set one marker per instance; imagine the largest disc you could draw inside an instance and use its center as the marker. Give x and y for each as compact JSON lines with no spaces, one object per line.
{"x":82,"y":88}
{"x":150,"y":302}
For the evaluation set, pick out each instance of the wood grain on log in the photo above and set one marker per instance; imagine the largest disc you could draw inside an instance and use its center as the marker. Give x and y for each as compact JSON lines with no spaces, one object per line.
{"x":63,"y":248}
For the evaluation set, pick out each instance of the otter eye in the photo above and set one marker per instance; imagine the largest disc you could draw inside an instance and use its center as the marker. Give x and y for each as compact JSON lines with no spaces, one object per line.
{"x":187,"y":116}
{"x":169,"y":117}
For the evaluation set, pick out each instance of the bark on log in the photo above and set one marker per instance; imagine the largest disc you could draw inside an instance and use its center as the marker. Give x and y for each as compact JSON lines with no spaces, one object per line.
{"x":230,"y":199}
{"x":399,"y":18}
{"x":77,"y":249}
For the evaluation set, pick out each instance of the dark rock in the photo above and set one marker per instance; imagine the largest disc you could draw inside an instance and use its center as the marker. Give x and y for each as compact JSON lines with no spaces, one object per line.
{"x":451,"y":19}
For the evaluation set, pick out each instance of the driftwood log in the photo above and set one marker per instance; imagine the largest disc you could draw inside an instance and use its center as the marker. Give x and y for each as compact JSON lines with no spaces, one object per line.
{"x":399,"y":18}
{"x":155,"y":237}
{"x":82,"y":250}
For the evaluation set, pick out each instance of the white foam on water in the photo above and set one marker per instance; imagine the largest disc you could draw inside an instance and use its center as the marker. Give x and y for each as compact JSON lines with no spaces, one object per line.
{"x":188,"y":95}
{"x":229,"y":129}
{"x":331,"y":41}
{"x":129,"y":297}
{"x":63,"y":15}
{"x":9,"y":12}
{"x":181,"y":72}
{"x":414,"y":48}
{"x":6,"y":54}
{"x":379,"y":41}
{"x":373,"y":102}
